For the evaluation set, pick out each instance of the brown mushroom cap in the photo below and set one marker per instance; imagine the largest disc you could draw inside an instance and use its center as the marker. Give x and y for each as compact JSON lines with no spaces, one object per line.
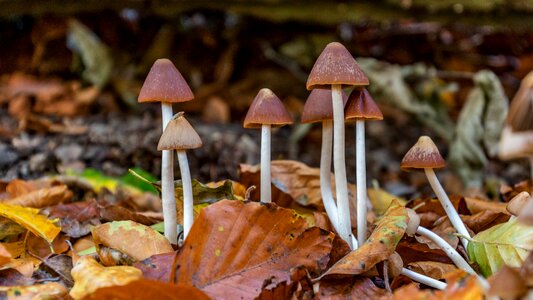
{"x":164,"y":83}
{"x":335,"y":65}
{"x":318,"y":106}
{"x":520,"y":116}
{"x":360,"y":105}
{"x":179,"y":135}
{"x":266,"y":109}
{"x":424,"y":154}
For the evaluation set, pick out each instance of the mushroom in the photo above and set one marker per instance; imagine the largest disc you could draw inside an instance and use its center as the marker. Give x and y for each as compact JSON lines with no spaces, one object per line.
{"x":180,"y":136}
{"x":165,"y":84}
{"x":266,"y":111}
{"x":425,"y":155}
{"x":361,"y":107}
{"x":318,"y":108}
{"x":336,"y":67}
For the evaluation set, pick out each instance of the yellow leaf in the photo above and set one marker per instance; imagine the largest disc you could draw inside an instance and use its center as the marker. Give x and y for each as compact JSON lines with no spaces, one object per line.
{"x":30,"y":219}
{"x":89,"y":276}
{"x":50,"y":290}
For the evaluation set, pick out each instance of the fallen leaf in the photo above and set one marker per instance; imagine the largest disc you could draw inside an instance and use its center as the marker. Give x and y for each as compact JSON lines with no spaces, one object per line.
{"x":42,"y":197}
{"x":54,"y":266}
{"x":378,"y":247}
{"x":354,"y":288}
{"x":484,"y":220}
{"x":136,"y":240}
{"x":30,"y":219}
{"x":12,"y":277}
{"x":461,"y":286}
{"x":158,"y":267}
{"x":49,"y":290}
{"x":8,"y":228}
{"x":478,"y":205}
{"x":234,"y":247}
{"x":148,"y":289}
{"x":412,"y":292}
{"x":89,"y":276}
{"x":507,"y":284}
{"x":96,"y":58}
{"x":507,"y":243}
{"x":433,"y":269}
{"x":76,"y":218}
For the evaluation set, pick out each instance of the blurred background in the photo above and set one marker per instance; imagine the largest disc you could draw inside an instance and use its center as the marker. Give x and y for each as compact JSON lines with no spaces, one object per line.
{"x":70,"y":73}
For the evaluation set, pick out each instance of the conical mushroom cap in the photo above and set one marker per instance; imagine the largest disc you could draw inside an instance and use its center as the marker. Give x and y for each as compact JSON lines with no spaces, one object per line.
{"x":179,"y":135}
{"x":266,"y":109}
{"x":164,"y":83}
{"x":318,"y":106}
{"x":335,"y":65}
{"x":361,"y":106}
{"x":424,"y":154}
{"x":520,"y":116}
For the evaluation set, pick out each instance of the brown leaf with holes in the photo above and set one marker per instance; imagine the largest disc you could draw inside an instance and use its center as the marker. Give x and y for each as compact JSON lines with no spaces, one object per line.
{"x":235,"y":248}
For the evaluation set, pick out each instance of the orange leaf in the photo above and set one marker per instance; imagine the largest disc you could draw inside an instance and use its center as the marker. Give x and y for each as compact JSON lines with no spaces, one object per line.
{"x":42,"y":197}
{"x":148,"y":289}
{"x":379,"y":246}
{"x":234,"y":248}
{"x":134,"y":239}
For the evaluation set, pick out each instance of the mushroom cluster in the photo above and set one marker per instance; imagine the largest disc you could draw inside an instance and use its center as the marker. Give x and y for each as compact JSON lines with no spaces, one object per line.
{"x":329,"y":103}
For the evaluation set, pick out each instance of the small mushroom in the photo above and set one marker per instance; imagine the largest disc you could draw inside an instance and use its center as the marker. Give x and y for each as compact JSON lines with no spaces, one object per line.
{"x":266,"y":111}
{"x":361,"y":107}
{"x":165,"y":84}
{"x":334,"y":68}
{"x":425,"y":155}
{"x":180,"y":136}
{"x":318,"y":108}
{"x":526,"y":215}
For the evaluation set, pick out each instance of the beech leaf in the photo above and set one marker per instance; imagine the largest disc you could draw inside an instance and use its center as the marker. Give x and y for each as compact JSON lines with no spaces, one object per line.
{"x":30,"y":219}
{"x":89,"y":276}
{"x":236,"y":248}
{"x":136,"y":240}
{"x":148,"y":289}
{"x":379,"y":246}
{"x":507,"y":243}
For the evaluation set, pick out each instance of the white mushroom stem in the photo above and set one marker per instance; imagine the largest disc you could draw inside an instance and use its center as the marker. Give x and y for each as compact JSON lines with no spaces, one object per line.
{"x":457,"y":259}
{"x":456,"y":221}
{"x":360,"y":168}
{"x":188,"y":204}
{"x":424,"y":279}
{"x":325,"y":173}
{"x":343,"y":205}
{"x":167,"y":182}
{"x":266,"y":196}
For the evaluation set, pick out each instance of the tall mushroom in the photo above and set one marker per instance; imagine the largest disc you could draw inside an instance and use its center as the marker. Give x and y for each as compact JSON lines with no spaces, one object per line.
{"x":361,"y":107}
{"x":425,"y":155}
{"x":180,"y":136}
{"x":165,"y":84}
{"x":318,"y":108}
{"x":266,"y":111}
{"x":334,"y":68}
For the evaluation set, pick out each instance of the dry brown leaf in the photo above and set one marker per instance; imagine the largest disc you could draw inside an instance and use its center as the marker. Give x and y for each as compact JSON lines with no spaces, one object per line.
{"x":354,"y":288}
{"x":379,"y":246}
{"x":136,"y":240}
{"x":432,"y":269}
{"x":43,"y":197}
{"x":478,"y":205}
{"x":148,"y":289}
{"x":234,"y":248}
